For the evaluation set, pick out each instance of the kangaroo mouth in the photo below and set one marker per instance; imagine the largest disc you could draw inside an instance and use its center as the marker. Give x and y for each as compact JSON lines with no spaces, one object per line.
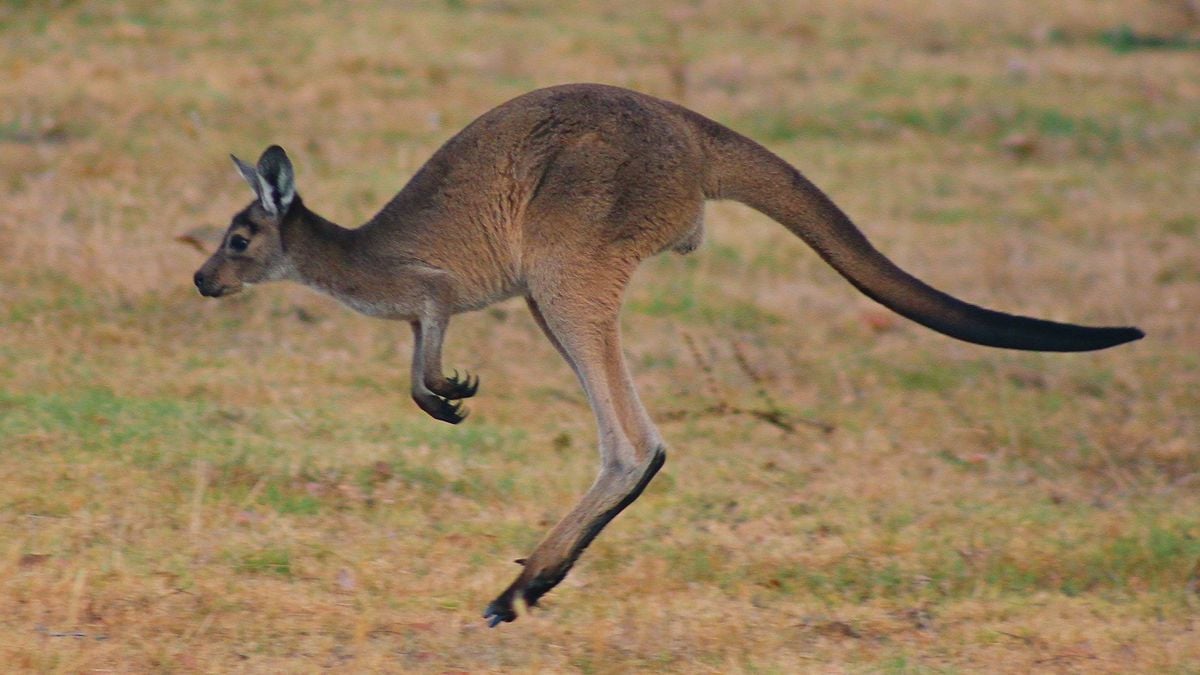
{"x":210,"y":290}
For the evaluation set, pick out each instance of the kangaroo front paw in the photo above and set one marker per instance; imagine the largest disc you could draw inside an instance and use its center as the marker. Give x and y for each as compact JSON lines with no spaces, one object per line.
{"x":440,"y":408}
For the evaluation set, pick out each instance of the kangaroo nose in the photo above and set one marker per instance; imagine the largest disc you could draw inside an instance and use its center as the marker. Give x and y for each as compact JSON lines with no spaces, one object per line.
{"x":198,"y":279}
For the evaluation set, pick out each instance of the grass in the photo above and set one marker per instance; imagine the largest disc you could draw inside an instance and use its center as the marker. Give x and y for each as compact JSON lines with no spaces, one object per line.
{"x":188,"y":485}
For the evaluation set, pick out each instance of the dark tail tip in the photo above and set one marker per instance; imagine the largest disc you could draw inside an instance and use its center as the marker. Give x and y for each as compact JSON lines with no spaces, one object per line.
{"x":1007,"y":331}
{"x":1071,"y":338}
{"x":1111,"y":337}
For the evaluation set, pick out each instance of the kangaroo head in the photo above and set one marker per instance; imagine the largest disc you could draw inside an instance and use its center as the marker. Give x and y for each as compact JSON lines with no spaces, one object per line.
{"x":252,"y":249}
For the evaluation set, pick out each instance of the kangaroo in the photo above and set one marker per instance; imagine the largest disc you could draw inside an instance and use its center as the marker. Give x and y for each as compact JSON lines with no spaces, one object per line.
{"x":556,"y":196}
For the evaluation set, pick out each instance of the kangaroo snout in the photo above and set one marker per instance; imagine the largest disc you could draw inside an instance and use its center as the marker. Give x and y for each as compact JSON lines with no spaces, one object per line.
{"x":208,"y":285}
{"x":203,"y":286}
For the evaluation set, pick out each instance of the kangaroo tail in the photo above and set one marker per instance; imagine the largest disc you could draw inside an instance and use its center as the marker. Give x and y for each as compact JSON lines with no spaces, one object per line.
{"x":745,"y":171}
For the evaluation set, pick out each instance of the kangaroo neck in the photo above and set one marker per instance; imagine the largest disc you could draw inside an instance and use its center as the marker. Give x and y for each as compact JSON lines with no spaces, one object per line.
{"x":319,"y":250}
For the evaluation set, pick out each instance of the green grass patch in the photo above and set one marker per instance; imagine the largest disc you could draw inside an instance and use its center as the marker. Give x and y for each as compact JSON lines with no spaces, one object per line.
{"x":1124,"y":39}
{"x":1091,"y":135}
{"x":694,"y":297}
{"x":98,"y":420}
{"x":270,"y":561}
{"x":938,"y":121}
{"x":957,"y":462}
{"x":290,"y":502}
{"x":467,"y":440}
{"x":47,"y":292}
{"x":949,"y":216}
{"x":780,"y":127}
{"x":1184,"y":226}
{"x":938,"y":377}
{"x":1182,"y":272}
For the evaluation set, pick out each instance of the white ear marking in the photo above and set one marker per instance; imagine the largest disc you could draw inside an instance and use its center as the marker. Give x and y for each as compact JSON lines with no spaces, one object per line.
{"x":288,"y":192}
{"x":277,"y":179}
{"x":266,"y":195}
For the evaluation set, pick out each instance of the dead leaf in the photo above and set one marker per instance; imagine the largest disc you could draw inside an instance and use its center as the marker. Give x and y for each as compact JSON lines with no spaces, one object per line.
{"x":204,"y":238}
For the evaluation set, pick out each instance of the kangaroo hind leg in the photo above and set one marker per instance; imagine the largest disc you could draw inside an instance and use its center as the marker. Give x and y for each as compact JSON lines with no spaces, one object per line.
{"x":580,"y":318}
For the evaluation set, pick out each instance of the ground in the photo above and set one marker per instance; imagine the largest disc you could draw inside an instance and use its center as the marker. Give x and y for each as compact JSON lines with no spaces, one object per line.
{"x":244,"y":484}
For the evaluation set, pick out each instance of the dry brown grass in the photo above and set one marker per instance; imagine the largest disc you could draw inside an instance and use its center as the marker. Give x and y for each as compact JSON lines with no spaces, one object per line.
{"x":244,"y":485}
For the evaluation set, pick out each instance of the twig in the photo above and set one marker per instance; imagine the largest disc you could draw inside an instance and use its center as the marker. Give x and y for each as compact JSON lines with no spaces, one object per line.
{"x":1023,"y":638}
{"x":710,"y":380}
{"x":77,"y":634}
{"x":201,"y":471}
{"x":772,"y":414}
{"x":761,"y":388}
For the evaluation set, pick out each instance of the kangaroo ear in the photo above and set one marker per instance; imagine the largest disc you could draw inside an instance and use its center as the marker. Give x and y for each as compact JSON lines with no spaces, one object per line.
{"x":277,"y":179}
{"x":250,"y":174}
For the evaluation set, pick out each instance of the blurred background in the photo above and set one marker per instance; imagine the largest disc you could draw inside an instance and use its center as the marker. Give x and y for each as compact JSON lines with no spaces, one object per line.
{"x":245,"y":484}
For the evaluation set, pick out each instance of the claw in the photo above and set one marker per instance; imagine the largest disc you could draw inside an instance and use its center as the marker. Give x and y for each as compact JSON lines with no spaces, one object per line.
{"x":461,"y":387}
{"x":453,"y":412}
{"x":442,"y":409}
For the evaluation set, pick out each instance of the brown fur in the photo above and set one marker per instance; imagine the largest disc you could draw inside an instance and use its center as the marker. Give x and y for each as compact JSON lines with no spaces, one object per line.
{"x":557,"y":196}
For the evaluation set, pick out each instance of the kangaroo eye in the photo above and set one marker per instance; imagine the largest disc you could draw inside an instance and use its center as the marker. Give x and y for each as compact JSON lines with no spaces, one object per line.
{"x":238,"y":243}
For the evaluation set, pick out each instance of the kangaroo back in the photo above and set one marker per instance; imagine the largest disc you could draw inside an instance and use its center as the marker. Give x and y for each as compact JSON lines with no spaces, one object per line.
{"x":745,"y":171}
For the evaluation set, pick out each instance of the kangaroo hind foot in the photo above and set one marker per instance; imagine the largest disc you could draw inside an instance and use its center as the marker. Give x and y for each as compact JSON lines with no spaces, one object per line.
{"x":556,"y":555}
